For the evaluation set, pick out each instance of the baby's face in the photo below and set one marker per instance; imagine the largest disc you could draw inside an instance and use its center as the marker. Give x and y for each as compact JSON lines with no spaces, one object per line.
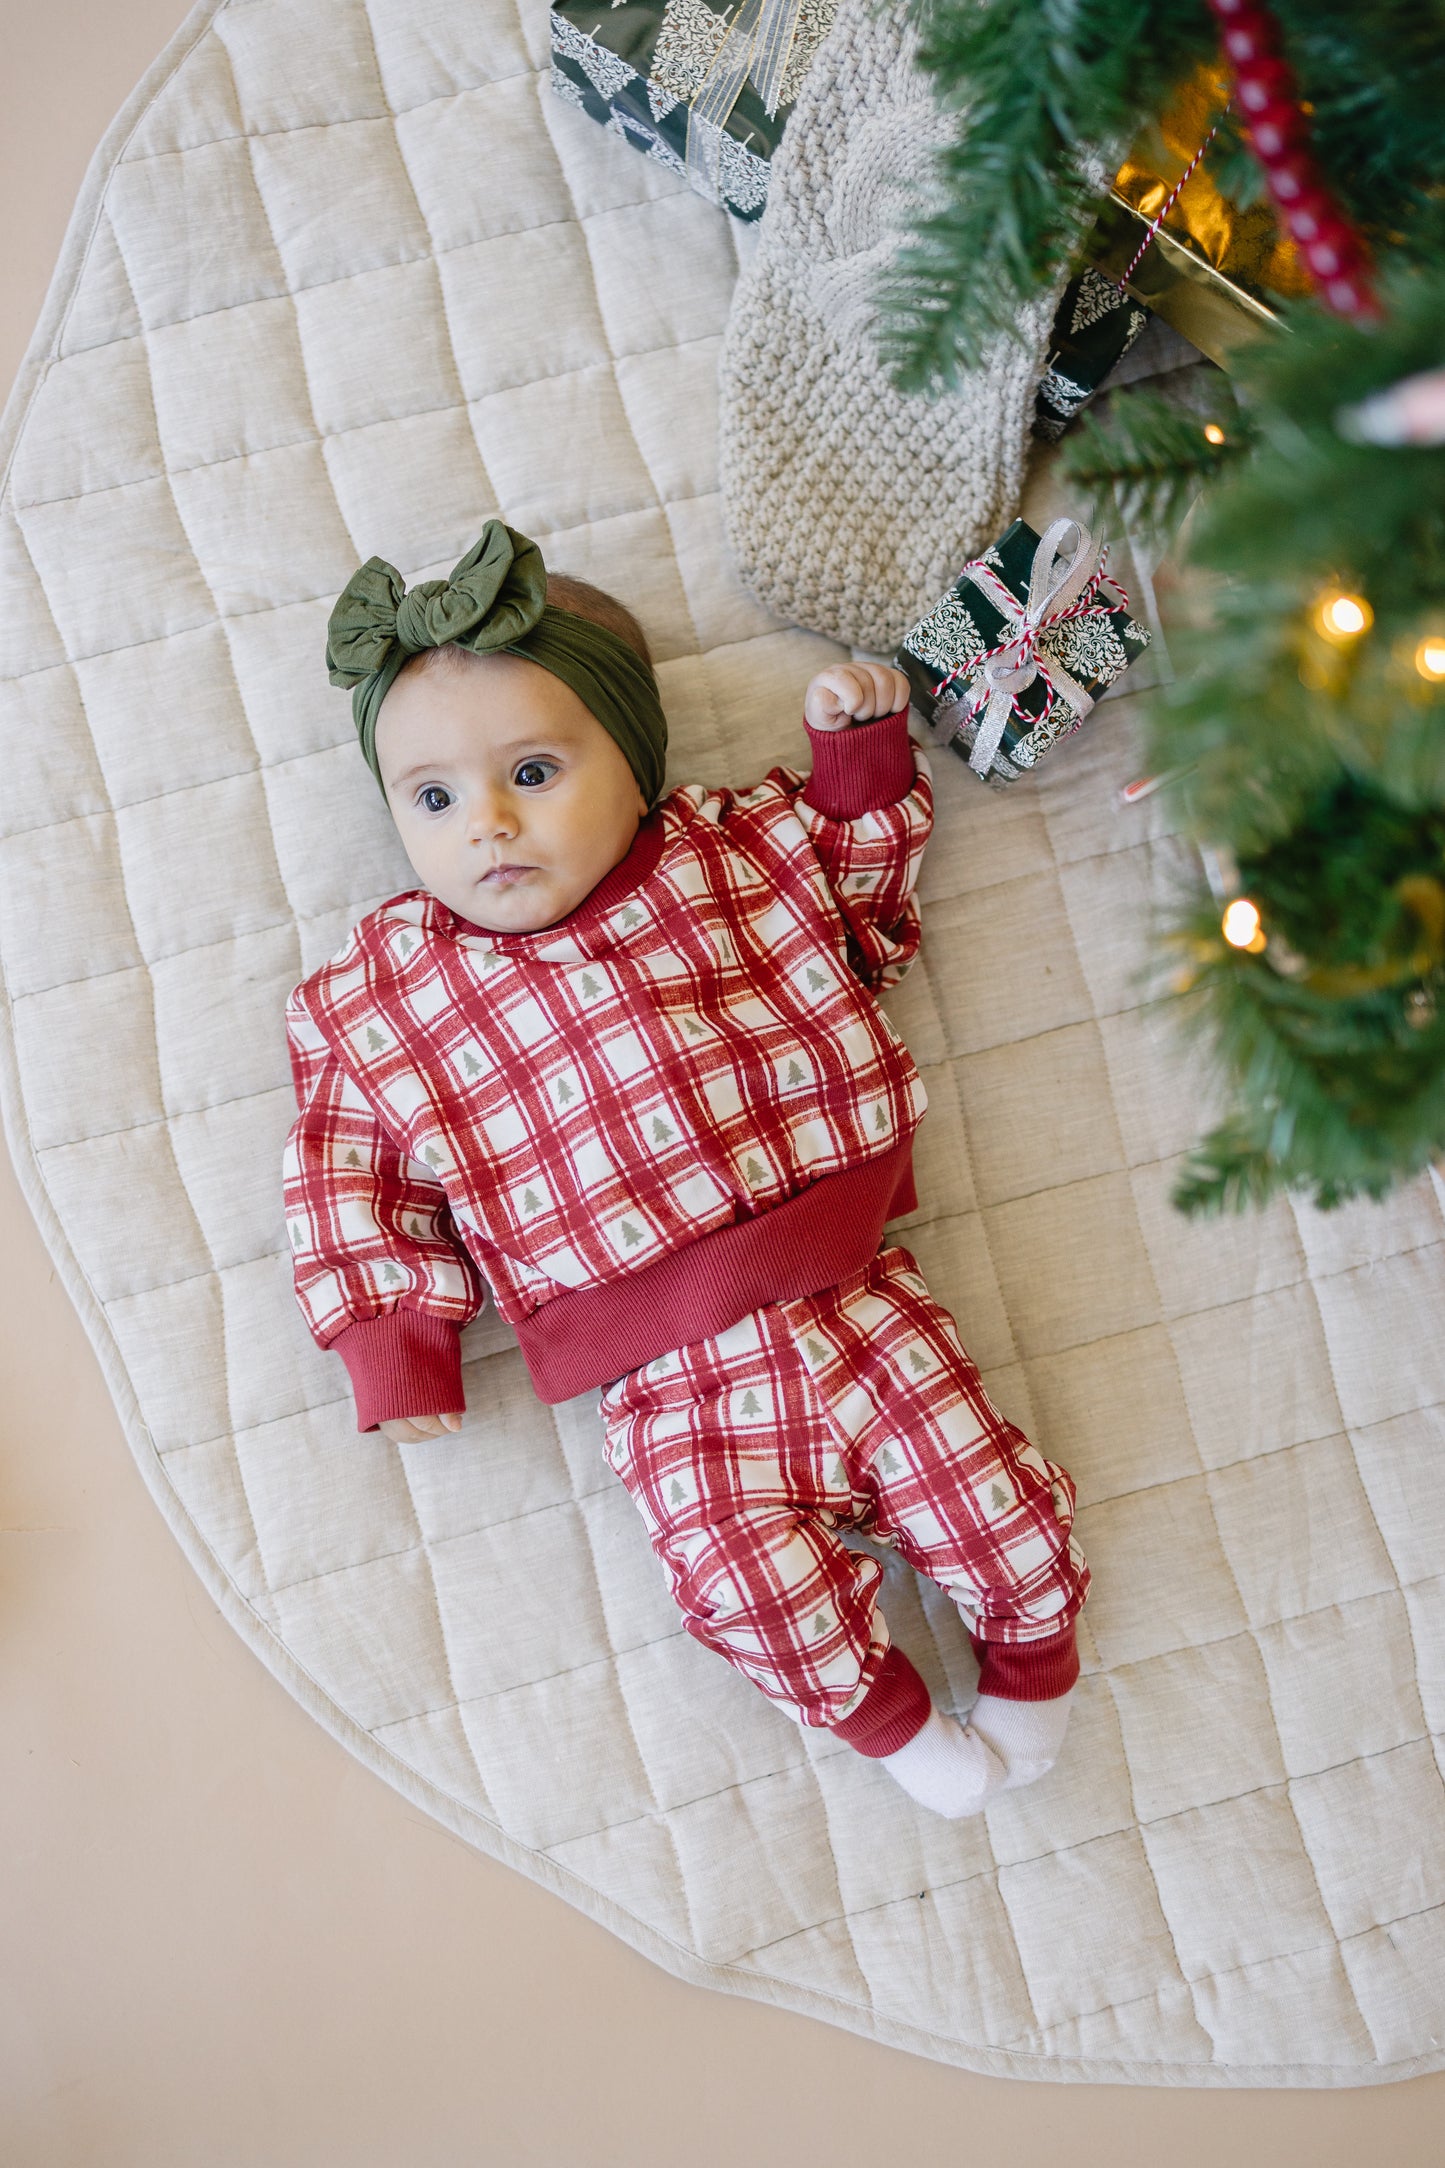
{"x":511,"y":799}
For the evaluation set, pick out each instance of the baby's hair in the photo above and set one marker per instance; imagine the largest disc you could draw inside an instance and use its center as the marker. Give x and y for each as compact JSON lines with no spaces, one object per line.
{"x":579,"y":597}
{"x":599,"y":608}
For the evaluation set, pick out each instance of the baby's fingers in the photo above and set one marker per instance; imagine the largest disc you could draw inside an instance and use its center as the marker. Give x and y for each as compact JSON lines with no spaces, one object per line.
{"x":407,"y":1430}
{"x":833,"y":697}
{"x":854,"y":692}
{"x":888,"y":691}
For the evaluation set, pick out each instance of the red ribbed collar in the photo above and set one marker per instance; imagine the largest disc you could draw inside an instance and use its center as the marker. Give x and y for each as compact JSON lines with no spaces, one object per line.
{"x":626,"y":877}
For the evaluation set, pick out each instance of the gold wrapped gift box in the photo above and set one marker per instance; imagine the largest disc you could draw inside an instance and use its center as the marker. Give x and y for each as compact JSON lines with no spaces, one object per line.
{"x":1213,"y":271}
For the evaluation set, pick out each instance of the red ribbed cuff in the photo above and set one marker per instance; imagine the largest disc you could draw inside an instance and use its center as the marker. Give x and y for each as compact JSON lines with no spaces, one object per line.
{"x":860,"y":767}
{"x":403,"y":1363}
{"x":893,"y":1711}
{"x":1028,"y":1670}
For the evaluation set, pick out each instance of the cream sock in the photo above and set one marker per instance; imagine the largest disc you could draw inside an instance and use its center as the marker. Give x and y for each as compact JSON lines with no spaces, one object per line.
{"x":1025,"y":1735}
{"x":946,"y":1767}
{"x":955,"y":1769}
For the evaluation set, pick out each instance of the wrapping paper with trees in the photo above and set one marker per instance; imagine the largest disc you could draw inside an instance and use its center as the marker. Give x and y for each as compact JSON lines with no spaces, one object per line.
{"x":943,"y":655}
{"x":637,"y":65}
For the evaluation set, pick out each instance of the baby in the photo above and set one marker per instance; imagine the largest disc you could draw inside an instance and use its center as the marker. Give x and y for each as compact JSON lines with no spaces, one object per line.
{"x":618,"y":1058}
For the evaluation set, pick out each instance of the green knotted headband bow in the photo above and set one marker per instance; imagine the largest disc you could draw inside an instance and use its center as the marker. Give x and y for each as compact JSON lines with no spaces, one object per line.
{"x":494,"y":602}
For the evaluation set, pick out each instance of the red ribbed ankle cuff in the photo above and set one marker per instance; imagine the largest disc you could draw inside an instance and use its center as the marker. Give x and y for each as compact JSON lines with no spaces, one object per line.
{"x":402,"y":1363}
{"x":860,"y":767}
{"x":893,"y":1711}
{"x":1028,"y":1670}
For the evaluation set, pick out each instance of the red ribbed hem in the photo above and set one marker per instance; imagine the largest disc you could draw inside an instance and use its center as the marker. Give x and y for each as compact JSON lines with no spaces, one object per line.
{"x":403,"y":1363}
{"x":860,"y":767}
{"x":1027,"y":1670}
{"x":893,"y":1711}
{"x":627,"y":876}
{"x":590,"y":1335}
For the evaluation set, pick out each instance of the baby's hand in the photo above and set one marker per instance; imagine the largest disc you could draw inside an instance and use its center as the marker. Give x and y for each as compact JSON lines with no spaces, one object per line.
{"x":403,"y":1430}
{"x":854,"y":692}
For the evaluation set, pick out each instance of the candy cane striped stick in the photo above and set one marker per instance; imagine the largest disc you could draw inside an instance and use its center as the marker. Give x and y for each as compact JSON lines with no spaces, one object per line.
{"x":1144,"y":786}
{"x":1169,"y":202}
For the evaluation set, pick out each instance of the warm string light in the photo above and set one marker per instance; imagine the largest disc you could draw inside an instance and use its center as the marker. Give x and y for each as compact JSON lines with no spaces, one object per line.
{"x":1213,"y":434}
{"x":1341,"y":616}
{"x":1241,"y":926}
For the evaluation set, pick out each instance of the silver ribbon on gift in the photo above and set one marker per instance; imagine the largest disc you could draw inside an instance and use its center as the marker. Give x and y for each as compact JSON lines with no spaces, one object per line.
{"x":1058,"y":578}
{"x":758,"y":44}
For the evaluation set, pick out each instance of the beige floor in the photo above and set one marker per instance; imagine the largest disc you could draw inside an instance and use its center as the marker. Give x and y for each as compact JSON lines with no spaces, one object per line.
{"x":225,"y":1945}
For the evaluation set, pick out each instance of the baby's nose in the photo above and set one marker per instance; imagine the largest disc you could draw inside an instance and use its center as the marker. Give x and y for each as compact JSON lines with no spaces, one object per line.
{"x":492,"y":816}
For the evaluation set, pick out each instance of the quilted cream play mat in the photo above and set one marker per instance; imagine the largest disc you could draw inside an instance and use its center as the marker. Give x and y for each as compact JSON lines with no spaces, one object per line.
{"x":349,"y":278}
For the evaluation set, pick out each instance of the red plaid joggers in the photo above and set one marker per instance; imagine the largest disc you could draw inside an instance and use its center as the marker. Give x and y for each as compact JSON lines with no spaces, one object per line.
{"x":854,"y":1407}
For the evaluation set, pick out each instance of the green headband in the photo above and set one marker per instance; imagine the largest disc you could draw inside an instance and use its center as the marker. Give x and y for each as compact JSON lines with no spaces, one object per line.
{"x":494,"y":602}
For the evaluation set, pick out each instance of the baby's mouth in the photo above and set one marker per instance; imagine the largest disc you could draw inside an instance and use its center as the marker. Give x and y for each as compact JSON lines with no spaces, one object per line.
{"x":505,"y":876}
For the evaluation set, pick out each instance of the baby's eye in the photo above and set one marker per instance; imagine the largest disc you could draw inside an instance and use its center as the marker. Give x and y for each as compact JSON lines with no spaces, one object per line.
{"x":533,"y":773}
{"x":434,"y":799}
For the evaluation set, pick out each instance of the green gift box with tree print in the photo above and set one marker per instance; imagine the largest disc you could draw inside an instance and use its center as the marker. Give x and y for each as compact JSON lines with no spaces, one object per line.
{"x":705,"y":93}
{"x":1013,"y":657}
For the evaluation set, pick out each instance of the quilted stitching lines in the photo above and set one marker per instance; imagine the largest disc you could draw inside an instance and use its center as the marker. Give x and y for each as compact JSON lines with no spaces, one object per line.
{"x":1046,"y":884}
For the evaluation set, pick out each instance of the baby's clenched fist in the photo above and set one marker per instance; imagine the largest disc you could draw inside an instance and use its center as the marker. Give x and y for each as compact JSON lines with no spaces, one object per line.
{"x":854,"y":692}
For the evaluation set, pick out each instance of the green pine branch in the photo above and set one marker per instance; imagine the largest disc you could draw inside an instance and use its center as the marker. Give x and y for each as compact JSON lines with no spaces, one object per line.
{"x":1144,"y":458}
{"x":1373,"y":75}
{"x":1264,"y":710}
{"x":1049,"y":94}
{"x":1319,"y":763}
{"x":1334,"y":1095}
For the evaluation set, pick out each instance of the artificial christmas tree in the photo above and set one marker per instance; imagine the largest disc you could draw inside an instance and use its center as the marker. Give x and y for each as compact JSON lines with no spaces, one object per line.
{"x":1053,"y":99}
{"x":1304,"y":729}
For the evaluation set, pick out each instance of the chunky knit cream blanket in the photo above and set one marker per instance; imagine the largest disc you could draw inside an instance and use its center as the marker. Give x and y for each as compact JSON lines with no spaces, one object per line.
{"x":851,"y":507}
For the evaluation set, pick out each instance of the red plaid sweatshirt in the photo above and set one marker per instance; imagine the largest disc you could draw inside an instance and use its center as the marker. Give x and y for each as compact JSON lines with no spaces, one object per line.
{"x":636,"y":1126}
